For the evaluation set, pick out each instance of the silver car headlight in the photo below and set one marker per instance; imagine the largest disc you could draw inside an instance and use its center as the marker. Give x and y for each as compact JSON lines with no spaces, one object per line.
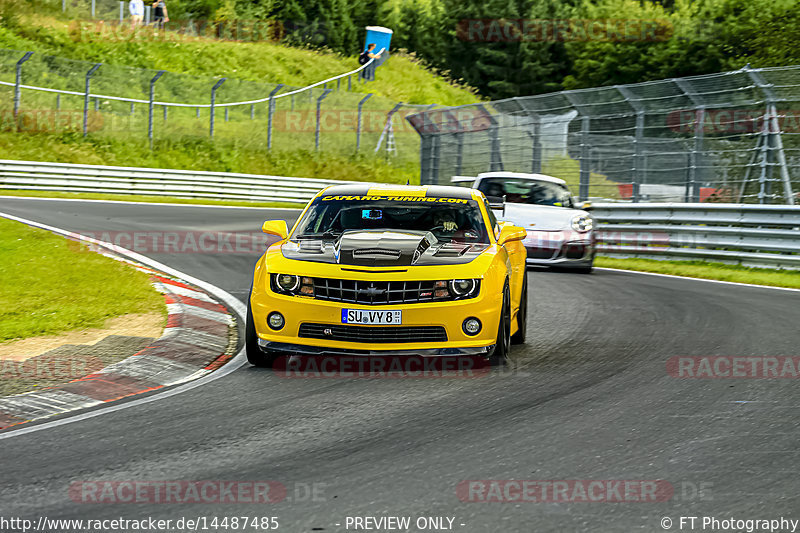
{"x":582,"y":223}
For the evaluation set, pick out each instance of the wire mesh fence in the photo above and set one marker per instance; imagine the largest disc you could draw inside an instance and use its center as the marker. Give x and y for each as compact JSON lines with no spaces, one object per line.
{"x":47,"y":94}
{"x":727,"y":137}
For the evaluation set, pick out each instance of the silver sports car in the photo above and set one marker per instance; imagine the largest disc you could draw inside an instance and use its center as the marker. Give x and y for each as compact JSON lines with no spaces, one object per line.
{"x":559,"y":234}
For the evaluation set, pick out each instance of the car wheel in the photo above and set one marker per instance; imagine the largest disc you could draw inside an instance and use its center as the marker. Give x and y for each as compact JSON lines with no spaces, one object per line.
{"x":587,"y":269}
{"x":502,"y":347}
{"x":522,"y":316}
{"x":255,"y":355}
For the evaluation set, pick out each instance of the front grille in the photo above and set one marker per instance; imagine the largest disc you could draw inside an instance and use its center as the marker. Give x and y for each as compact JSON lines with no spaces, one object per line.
{"x":378,"y":292}
{"x":542,"y":253}
{"x":373,"y":334}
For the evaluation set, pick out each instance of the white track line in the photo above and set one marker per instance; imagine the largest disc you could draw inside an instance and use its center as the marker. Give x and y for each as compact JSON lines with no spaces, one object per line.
{"x":4,"y":197}
{"x":231,"y":302}
{"x":698,"y":279}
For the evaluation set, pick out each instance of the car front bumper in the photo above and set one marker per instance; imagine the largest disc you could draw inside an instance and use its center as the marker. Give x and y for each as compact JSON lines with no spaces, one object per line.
{"x":559,"y":248}
{"x":309,"y":311}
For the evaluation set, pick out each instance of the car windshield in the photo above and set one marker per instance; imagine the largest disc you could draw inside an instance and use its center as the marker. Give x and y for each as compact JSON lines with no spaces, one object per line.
{"x":449,"y":219}
{"x":527,"y":191}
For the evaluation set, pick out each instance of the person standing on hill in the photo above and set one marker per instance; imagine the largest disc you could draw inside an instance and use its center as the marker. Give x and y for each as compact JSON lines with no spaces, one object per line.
{"x":368,"y":74}
{"x":136,"y":8}
{"x":160,"y":15}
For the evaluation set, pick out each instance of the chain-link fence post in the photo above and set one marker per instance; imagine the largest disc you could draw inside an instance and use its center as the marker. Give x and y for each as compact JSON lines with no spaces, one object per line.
{"x":586,"y":160}
{"x":213,"y":101}
{"x":325,"y":93}
{"x":774,"y":132}
{"x":121,"y":12}
{"x":150,"y":109}
{"x":93,"y":8}
{"x":358,"y":121}
{"x":271,"y":113}
{"x":18,"y":82}
{"x":639,"y":170}
{"x":692,"y":192}
{"x":86,"y":98}
{"x":496,"y":154}
{"x":536,"y":154}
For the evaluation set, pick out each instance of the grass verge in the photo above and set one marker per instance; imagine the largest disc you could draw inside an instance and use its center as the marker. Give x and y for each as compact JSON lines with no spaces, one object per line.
{"x":51,"y":285}
{"x":704,"y":270}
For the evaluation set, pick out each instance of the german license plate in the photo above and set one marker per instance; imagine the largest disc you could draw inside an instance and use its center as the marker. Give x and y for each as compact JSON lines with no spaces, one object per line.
{"x":361,"y":316}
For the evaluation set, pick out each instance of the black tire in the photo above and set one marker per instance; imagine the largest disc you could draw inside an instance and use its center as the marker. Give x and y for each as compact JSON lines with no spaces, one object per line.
{"x":255,"y":355}
{"x":499,"y":355}
{"x":585,"y":269}
{"x":522,"y":316}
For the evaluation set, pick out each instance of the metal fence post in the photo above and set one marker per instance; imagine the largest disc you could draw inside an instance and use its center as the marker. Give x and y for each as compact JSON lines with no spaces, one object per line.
{"x":58,"y":101}
{"x":252,"y":111}
{"x":86,"y":98}
{"x":63,"y":5}
{"x":133,"y":109}
{"x":146,"y":15}
{"x":319,"y":112}
{"x":271,"y":112}
{"x":350,"y":83}
{"x":227,"y":109}
{"x":213,"y":101}
{"x":165,"y":113}
{"x":150,"y":109}
{"x":586,"y":160}
{"x":121,"y":12}
{"x":773,"y":132}
{"x":358,"y":122}
{"x":93,"y":2}
{"x":18,"y":82}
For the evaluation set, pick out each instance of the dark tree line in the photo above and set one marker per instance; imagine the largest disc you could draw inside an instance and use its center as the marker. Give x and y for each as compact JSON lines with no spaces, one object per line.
{"x":510,"y":48}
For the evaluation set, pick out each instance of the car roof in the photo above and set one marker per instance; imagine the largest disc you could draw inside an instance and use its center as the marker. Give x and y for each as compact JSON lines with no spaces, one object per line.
{"x":388,"y":189}
{"x":521,"y":175}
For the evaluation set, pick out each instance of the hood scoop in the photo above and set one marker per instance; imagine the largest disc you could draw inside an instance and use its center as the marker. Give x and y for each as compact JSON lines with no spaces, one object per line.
{"x":382,"y":248}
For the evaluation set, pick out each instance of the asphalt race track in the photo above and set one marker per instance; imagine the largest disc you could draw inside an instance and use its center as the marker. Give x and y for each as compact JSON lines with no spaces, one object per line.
{"x":589,"y":399}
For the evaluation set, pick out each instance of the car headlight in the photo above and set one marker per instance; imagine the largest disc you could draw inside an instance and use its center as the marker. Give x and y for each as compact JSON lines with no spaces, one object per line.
{"x":287,"y":282}
{"x":461,"y":287}
{"x":291,"y":284}
{"x":582,"y":223}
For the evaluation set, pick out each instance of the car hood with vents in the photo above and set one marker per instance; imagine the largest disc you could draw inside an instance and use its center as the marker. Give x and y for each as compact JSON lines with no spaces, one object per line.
{"x":382,"y":248}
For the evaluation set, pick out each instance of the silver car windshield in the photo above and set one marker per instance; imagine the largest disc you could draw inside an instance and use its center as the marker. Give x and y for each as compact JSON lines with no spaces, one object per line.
{"x":526,"y":191}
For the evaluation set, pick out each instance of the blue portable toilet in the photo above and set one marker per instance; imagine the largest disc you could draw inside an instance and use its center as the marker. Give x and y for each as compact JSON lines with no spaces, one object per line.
{"x":382,"y":37}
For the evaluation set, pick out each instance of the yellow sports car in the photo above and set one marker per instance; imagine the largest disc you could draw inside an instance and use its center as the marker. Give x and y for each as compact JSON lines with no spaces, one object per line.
{"x":390,"y":270}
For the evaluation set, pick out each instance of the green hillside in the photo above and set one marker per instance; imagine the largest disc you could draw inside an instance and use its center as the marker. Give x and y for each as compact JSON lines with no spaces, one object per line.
{"x":118,"y":134}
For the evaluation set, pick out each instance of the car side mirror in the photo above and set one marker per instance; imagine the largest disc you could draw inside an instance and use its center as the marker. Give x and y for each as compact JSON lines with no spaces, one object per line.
{"x":511,"y":233}
{"x":276,"y":227}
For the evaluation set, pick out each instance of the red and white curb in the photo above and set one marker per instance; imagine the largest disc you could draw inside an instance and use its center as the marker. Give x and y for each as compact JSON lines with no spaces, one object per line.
{"x":199,"y":338}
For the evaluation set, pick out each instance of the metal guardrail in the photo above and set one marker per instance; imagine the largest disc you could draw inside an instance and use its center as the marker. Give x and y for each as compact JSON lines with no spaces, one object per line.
{"x":746,"y":234}
{"x":63,"y":177}
{"x":750,"y":235}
